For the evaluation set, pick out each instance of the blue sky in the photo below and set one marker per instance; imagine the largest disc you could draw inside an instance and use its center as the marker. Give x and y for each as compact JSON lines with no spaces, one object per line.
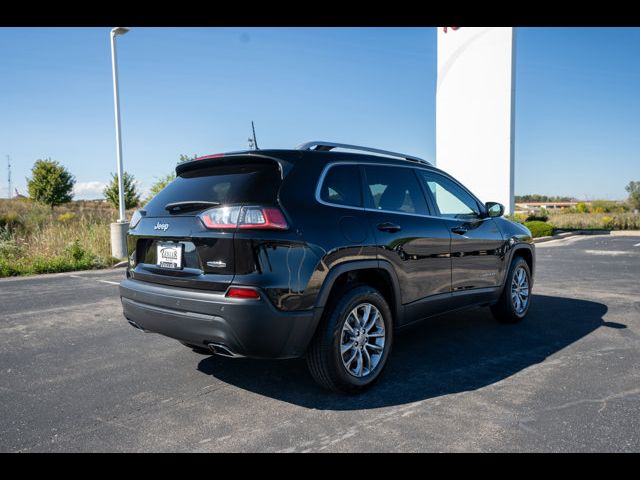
{"x":196,"y":90}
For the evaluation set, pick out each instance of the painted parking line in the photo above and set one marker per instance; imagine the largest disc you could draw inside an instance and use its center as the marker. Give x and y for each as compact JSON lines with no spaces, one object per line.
{"x":96,"y":279}
{"x":637,"y":245}
{"x":562,"y":241}
{"x":609,"y":252}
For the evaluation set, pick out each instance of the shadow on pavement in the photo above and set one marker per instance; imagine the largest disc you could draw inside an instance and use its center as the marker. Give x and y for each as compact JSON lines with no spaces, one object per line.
{"x":452,"y":353}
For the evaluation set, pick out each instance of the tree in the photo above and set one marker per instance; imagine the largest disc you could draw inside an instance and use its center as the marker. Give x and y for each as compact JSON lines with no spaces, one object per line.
{"x":131,"y":195}
{"x":581,"y":207}
{"x":634,"y":194}
{"x":186,"y":158}
{"x":164,"y":181}
{"x":541,"y":198}
{"x":50,"y":183}
{"x":159,"y":185}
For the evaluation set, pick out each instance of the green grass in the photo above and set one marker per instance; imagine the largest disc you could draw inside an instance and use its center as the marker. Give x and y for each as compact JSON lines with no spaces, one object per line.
{"x":36,"y":239}
{"x":56,"y":264}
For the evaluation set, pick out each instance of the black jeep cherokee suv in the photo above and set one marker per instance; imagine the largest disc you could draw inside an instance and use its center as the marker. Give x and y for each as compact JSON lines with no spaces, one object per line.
{"x":318,"y":253}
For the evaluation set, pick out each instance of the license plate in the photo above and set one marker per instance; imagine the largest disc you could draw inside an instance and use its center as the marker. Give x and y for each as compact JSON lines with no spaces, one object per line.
{"x":170,"y":255}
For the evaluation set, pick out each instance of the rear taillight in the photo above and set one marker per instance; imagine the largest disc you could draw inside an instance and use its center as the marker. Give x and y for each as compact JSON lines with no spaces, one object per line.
{"x":235,"y":292}
{"x":221,"y":217}
{"x":264,"y":218}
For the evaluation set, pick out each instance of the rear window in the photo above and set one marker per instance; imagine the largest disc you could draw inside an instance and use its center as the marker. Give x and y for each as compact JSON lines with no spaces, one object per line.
{"x":342,"y":186}
{"x":229,"y":184}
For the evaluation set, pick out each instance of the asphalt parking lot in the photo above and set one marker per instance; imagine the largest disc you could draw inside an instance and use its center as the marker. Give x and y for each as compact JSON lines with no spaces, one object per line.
{"x":74,"y":376}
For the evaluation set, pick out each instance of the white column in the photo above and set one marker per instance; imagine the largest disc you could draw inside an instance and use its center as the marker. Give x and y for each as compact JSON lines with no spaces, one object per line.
{"x":475,"y":109}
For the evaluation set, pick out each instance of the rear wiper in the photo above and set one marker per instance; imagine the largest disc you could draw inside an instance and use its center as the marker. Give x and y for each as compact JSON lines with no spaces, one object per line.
{"x":175,"y":207}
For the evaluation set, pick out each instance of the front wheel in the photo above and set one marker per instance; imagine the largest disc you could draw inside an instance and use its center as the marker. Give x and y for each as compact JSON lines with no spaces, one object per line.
{"x":515,"y":300}
{"x":351,"y":346}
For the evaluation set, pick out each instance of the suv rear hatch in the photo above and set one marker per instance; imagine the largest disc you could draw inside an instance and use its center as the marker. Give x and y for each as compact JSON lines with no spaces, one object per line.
{"x":185,"y":236}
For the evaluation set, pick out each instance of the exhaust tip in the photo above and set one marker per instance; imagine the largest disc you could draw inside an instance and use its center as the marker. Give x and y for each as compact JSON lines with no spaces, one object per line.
{"x":135,"y":325}
{"x":223,"y":350}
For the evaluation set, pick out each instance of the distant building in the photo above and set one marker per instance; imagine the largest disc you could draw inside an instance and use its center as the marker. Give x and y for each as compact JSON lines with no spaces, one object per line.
{"x":532,"y":207}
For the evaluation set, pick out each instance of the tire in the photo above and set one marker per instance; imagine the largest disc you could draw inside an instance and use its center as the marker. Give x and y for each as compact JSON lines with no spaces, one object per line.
{"x":507,"y":309}
{"x":198,"y":349}
{"x":370,"y":343}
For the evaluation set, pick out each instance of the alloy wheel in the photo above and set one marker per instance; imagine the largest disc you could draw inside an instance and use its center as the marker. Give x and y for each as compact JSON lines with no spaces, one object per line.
{"x":362,"y":340}
{"x":520,"y":291}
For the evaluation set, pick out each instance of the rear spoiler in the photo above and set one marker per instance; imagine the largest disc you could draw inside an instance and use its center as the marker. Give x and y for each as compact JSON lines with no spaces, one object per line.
{"x":232,"y":158}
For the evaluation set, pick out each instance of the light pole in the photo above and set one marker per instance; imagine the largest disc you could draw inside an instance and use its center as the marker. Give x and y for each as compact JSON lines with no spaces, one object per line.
{"x":118,"y":229}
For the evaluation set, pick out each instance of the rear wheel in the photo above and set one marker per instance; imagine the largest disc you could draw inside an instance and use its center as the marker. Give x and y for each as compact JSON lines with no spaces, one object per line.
{"x":352,"y":344}
{"x":515,"y":300}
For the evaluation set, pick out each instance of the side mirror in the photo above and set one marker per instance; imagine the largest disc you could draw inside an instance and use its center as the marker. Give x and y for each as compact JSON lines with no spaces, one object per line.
{"x":494,"y":209}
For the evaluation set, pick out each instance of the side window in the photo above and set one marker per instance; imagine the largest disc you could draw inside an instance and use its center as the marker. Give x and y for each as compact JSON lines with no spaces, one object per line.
{"x":394,"y":189}
{"x":451,"y":200}
{"x":342,"y":186}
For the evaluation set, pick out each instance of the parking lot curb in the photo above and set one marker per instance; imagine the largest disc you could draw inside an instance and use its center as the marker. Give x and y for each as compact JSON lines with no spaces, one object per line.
{"x":558,"y":236}
{"x":626,"y":233}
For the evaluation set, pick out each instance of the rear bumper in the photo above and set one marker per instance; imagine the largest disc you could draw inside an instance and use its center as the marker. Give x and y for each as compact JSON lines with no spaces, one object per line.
{"x":251,"y":328}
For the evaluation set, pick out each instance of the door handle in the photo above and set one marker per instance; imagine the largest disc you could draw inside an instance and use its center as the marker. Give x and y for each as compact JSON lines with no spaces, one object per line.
{"x":388,"y":227}
{"x":459,"y":230}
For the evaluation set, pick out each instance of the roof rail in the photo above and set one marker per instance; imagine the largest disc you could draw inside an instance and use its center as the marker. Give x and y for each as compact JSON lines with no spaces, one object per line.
{"x":327,"y":146}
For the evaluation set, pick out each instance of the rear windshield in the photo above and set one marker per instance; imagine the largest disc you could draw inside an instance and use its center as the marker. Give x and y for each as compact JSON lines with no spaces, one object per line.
{"x":229,"y":184}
